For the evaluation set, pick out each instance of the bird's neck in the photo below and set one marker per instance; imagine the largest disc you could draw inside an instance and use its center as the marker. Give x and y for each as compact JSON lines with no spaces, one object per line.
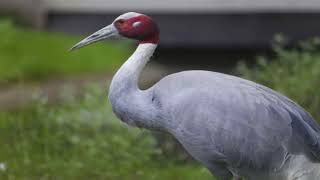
{"x":126,"y":78}
{"x":129,"y":103}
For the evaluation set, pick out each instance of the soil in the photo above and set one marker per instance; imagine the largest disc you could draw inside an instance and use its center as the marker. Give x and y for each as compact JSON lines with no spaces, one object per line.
{"x":19,"y":95}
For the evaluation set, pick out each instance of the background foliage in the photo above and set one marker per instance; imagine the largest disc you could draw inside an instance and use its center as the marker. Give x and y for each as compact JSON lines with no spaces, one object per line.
{"x":31,"y":55}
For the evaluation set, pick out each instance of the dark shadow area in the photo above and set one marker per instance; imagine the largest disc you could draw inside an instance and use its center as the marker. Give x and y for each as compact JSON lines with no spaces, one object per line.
{"x":220,"y":60}
{"x":210,"y":30}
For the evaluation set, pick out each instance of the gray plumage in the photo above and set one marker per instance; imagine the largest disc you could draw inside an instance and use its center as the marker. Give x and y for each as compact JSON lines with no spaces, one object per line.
{"x":235,"y":127}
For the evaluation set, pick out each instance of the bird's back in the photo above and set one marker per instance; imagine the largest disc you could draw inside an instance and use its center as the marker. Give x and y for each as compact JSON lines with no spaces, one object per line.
{"x":219,"y":117}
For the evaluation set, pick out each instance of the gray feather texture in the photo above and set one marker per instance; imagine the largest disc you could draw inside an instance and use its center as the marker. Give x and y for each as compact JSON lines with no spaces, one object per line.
{"x":235,"y":123}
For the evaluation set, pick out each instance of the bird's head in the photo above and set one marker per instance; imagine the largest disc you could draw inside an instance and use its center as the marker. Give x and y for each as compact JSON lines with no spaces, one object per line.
{"x":130,"y":25}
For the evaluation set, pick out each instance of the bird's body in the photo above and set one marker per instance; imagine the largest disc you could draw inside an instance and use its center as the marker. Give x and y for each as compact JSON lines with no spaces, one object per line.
{"x":238,"y":128}
{"x":235,"y":127}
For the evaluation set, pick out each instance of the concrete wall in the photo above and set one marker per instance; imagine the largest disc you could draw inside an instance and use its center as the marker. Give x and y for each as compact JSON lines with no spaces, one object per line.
{"x":183,"y":6}
{"x":31,"y":11}
{"x":183,"y":23}
{"x":186,"y":23}
{"x":231,"y":31}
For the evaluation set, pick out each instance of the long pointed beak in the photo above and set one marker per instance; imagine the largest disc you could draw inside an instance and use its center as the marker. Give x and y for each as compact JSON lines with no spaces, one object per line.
{"x":102,"y":34}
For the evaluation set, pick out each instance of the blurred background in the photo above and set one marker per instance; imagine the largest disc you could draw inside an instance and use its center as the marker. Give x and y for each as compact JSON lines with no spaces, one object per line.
{"x":55,"y":119}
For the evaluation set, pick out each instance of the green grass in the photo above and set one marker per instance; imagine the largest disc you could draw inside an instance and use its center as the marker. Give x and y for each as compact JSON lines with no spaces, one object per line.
{"x":82,"y":139}
{"x":32,"y":55}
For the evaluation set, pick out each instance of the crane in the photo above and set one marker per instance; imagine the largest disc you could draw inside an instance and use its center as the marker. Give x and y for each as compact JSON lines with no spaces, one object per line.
{"x":236,"y":128}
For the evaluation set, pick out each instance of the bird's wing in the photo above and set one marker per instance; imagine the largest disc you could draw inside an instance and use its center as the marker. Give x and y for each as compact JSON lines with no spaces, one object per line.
{"x":302,"y":123}
{"x":305,"y":132}
{"x":246,"y":122}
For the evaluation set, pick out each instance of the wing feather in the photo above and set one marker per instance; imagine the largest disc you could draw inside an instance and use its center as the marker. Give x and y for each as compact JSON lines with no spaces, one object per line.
{"x":247,"y":122}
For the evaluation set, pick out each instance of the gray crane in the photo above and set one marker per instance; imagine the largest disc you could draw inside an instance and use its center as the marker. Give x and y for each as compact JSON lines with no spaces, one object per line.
{"x":235,"y":127}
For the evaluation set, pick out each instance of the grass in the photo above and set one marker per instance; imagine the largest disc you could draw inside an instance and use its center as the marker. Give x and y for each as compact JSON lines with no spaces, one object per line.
{"x":81,"y":139}
{"x":33,"y":55}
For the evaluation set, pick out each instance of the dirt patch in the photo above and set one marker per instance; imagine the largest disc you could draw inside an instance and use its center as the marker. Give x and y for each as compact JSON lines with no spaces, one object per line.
{"x":19,"y":95}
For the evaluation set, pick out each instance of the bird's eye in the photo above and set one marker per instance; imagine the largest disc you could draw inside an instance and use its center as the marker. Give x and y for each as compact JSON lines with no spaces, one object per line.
{"x":136,"y":24}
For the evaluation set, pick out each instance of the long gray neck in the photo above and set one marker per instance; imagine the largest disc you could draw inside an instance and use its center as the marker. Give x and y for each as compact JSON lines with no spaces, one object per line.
{"x":129,"y":103}
{"x":126,"y":78}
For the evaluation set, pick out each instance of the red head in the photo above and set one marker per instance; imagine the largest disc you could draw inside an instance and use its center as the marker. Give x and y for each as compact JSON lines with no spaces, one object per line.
{"x":137,"y":26}
{"x":131,"y":25}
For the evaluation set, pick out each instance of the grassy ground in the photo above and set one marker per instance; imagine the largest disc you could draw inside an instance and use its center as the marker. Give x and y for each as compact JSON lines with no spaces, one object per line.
{"x":33,"y":55}
{"x":81,"y":139}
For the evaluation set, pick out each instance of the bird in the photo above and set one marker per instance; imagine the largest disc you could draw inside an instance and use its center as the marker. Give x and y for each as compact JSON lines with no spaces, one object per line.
{"x":236,"y":128}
